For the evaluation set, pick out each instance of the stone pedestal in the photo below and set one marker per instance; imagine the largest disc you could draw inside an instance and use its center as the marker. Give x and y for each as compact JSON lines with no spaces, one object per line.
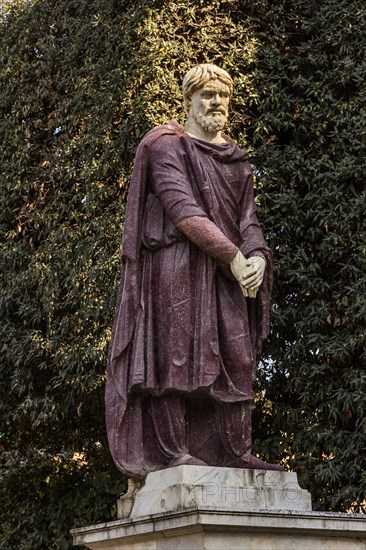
{"x":196,"y":507}
{"x":221,"y":488}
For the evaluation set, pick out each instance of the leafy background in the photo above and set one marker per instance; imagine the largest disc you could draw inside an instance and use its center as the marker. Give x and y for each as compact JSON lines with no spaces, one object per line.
{"x":81,"y":82}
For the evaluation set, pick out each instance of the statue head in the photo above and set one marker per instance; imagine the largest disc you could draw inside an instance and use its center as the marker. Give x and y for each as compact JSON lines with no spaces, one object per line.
{"x":198,"y":76}
{"x":207,"y":90}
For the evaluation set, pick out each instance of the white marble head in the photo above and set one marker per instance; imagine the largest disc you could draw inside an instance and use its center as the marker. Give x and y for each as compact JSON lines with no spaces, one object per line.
{"x":200,"y":75}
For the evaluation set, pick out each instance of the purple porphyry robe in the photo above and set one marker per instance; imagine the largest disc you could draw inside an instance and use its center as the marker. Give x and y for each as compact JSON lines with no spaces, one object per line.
{"x":182,"y":323}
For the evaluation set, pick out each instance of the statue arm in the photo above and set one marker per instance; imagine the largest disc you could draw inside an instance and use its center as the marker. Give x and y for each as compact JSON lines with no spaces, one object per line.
{"x":209,"y":238}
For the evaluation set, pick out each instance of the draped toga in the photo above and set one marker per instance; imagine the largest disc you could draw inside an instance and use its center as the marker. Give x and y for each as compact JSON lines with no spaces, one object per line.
{"x":182,"y":323}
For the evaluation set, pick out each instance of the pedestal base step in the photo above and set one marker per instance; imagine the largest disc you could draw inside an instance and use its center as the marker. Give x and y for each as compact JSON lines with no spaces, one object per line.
{"x":198,"y":528}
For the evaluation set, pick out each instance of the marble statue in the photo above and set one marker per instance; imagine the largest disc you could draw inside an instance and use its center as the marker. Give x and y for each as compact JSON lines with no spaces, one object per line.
{"x":193,"y":306}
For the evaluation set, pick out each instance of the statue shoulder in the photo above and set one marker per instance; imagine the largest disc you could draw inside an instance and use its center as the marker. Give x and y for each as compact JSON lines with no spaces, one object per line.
{"x":172,"y":129}
{"x":163,"y":139}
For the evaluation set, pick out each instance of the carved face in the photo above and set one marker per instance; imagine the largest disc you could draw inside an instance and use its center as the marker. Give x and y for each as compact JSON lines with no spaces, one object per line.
{"x":210,"y":105}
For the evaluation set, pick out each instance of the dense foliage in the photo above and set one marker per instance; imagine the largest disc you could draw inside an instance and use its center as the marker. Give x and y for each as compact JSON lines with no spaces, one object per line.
{"x":81,"y":82}
{"x":309,"y":134}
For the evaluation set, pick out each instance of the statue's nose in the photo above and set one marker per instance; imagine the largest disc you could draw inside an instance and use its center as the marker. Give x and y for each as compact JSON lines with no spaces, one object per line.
{"x":216,"y":100}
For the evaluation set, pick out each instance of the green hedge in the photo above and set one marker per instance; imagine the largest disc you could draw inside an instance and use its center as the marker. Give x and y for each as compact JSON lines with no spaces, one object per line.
{"x":81,"y":82}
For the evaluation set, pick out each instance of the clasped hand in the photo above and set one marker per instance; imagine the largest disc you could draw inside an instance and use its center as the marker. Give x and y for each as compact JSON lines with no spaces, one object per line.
{"x":248,"y":272}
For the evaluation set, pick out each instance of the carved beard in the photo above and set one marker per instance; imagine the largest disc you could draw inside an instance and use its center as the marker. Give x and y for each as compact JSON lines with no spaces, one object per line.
{"x":211,"y":122}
